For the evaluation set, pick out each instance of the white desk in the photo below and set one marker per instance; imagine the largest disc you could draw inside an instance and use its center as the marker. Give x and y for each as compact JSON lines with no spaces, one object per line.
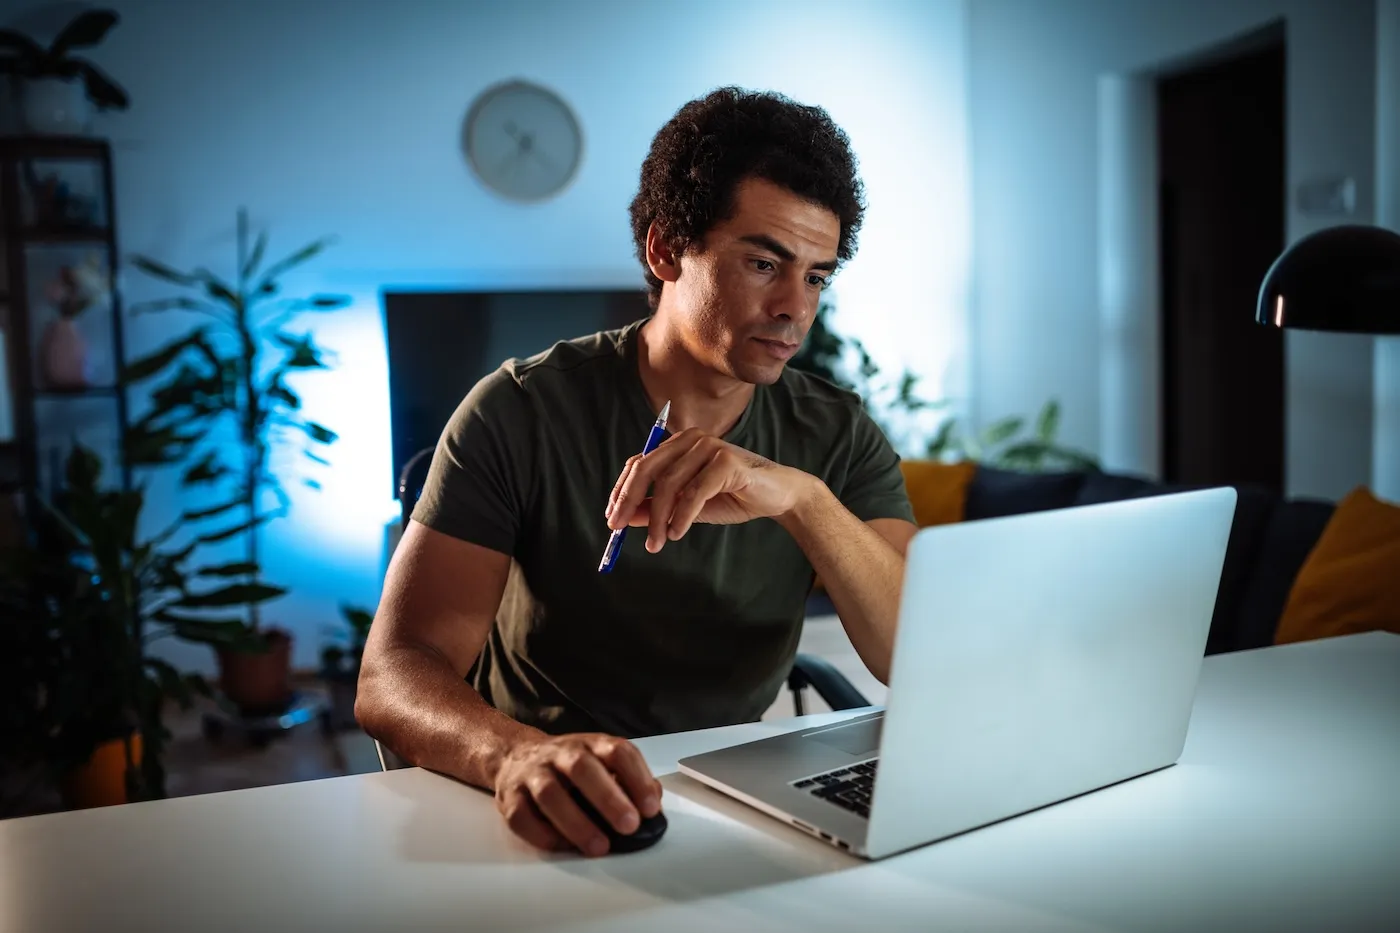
{"x":1284,"y":814}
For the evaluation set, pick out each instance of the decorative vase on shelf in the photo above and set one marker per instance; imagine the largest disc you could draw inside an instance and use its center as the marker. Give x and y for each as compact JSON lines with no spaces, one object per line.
{"x":57,"y":106}
{"x":64,"y":356}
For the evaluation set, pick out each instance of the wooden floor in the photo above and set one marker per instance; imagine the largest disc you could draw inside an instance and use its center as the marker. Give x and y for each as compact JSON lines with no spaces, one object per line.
{"x":197,"y":764}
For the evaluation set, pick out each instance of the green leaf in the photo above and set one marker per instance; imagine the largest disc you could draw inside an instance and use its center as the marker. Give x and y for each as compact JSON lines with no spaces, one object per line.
{"x":307,"y":252}
{"x":278,"y":390}
{"x":201,"y":514}
{"x":1002,"y":430}
{"x":168,"y":304}
{"x":233,"y":633}
{"x":236,"y":530}
{"x":207,"y":469}
{"x":228,"y":623}
{"x":319,"y":433}
{"x":218,"y":288}
{"x":85,"y":31}
{"x":1025,"y":455}
{"x":101,"y":89}
{"x":145,"y":447}
{"x":236,"y":594}
{"x":26,"y":49}
{"x":304,"y":354}
{"x":239,"y":569}
{"x":1049,"y":421}
{"x":255,"y":257}
{"x":161,"y":271}
{"x":147,"y":366}
{"x":943,"y":442}
{"x":323,"y":303}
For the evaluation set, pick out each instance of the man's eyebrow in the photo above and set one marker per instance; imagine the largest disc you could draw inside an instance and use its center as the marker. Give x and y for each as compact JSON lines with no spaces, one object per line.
{"x":764,"y":241}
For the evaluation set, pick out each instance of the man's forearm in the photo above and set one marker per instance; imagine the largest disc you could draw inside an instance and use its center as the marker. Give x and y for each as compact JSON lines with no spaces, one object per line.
{"x":861,"y":571}
{"x":412,"y":700}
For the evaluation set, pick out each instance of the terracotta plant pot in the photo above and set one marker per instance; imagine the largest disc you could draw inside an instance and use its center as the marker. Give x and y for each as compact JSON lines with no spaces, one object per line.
{"x":259,"y":684}
{"x":101,"y":780}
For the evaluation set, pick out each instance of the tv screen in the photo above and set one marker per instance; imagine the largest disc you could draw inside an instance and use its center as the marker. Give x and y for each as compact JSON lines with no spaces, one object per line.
{"x":440,"y":344}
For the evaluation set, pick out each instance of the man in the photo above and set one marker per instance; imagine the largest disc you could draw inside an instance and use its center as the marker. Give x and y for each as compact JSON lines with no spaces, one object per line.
{"x":747,"y":204}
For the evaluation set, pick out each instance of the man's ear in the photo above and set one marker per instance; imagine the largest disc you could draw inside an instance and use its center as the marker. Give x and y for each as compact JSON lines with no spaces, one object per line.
{"x":661,"y":259}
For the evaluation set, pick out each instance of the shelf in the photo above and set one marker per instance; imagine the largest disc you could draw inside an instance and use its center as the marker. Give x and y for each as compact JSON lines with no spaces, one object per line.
{"x":33,"y":146}
{"x":62,"y":235}
{"x":86,"y":392}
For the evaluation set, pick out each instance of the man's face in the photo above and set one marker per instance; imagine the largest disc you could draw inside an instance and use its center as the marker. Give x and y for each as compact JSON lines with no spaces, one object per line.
{"x":749,"y":292}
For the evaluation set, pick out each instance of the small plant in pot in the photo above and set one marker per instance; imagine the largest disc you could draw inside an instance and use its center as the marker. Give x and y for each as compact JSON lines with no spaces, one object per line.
{"x":340,"y":665}
{"x":231,"y":379}
{"x":87,"y":596}
{"x":59,"y":90}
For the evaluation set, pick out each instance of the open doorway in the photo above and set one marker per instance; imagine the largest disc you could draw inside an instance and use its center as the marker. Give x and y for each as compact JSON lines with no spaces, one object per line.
{"x":1222,"y":191}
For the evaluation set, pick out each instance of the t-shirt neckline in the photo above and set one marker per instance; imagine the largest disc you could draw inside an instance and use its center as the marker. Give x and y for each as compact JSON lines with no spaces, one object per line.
{"x":636,"y":392}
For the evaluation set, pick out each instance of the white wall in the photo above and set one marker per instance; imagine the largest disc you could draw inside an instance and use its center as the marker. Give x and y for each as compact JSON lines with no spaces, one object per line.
{"x":1033,"y":73}
{"x":343,"y":118}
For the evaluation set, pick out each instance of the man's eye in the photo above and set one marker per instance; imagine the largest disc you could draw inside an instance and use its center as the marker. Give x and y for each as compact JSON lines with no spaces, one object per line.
{"x":818,"y":281}
{"x":762,"y":265}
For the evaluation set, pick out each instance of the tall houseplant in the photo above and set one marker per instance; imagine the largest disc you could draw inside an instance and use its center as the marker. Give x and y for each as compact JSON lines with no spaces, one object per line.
{"x":229,"y":380}
{"x":59,"y":89}
{"x":86,"y":596}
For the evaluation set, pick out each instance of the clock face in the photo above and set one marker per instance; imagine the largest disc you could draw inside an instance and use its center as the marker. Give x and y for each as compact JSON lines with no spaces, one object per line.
{"x":522,"y":140}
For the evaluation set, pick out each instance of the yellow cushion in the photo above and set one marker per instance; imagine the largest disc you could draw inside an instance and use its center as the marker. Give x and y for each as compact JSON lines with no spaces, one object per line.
{"x":1350,"y":583}
{"x":937,"y":491}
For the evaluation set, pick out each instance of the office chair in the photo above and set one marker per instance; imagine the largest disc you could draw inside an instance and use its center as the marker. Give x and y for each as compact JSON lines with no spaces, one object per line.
{"x":807,"y":670}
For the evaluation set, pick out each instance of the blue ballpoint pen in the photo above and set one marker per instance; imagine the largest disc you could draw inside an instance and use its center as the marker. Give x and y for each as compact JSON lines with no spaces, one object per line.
{"x":658,"y":431}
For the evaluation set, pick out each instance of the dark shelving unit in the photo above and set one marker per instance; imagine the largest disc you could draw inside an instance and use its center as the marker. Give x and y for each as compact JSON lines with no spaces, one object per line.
{"x":57,"y":211}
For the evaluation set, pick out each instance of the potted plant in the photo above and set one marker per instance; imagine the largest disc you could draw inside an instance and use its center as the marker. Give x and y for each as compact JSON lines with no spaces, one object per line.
{"x":59,"y":90}
{"x":340,"y":665}
{"x":87,"y":596}
{"x":232,"y":375}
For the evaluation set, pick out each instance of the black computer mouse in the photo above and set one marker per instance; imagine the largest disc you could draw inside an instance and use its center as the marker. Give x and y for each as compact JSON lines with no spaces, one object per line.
{"x":646,"y":835}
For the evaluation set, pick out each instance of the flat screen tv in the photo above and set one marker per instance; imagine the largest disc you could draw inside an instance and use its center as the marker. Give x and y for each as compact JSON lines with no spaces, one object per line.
{"x":442,"y":343}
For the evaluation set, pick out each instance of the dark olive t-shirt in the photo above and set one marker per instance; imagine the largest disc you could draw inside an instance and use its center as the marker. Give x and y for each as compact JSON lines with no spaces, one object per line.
{"x":700,"y":635}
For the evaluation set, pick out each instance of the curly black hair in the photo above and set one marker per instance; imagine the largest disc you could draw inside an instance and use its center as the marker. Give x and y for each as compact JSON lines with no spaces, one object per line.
{"x":700,"y":156}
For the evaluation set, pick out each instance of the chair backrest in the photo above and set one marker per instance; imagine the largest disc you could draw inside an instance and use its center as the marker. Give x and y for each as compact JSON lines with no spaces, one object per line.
{"x":411,"y":480}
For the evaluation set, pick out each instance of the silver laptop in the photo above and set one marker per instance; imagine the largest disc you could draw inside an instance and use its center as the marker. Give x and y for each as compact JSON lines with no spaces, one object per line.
{"x":1038,"y":657}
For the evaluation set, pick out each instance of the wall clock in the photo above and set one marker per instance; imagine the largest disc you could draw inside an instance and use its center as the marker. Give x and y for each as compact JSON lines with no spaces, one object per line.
{"x":522,"y":140}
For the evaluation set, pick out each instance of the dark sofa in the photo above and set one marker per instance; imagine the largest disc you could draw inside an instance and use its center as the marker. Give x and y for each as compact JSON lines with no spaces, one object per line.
{"x":1270,"y":539}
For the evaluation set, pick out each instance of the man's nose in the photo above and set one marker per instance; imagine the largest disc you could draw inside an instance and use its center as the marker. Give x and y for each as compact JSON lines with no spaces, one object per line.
{"x":793,"y":302}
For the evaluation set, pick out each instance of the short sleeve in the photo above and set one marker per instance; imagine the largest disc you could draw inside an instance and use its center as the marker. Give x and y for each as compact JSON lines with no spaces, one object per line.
{"x":482,"y":469}
{"x":874,"y":486}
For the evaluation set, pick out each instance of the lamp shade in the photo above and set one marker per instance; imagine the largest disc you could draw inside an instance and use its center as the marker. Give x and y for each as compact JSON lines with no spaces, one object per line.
{"x":1343,"y":278}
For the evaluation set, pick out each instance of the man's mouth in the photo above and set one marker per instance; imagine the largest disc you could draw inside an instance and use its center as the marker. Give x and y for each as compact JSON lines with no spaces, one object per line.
{"x":779,"y":349}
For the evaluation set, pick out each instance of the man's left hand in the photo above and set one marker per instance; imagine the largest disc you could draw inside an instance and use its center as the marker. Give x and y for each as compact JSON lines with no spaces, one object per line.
{"x":696,"y":477}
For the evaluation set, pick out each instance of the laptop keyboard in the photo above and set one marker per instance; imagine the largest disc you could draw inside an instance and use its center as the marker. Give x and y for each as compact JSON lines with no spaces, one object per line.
{"x":849,"y":787}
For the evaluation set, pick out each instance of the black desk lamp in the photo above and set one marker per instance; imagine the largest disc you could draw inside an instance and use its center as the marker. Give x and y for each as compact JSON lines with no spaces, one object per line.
{"x":1343,"y":279}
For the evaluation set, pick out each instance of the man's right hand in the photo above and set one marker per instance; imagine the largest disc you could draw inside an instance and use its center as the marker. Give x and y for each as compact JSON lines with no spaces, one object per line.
{"x":532,"y":790}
